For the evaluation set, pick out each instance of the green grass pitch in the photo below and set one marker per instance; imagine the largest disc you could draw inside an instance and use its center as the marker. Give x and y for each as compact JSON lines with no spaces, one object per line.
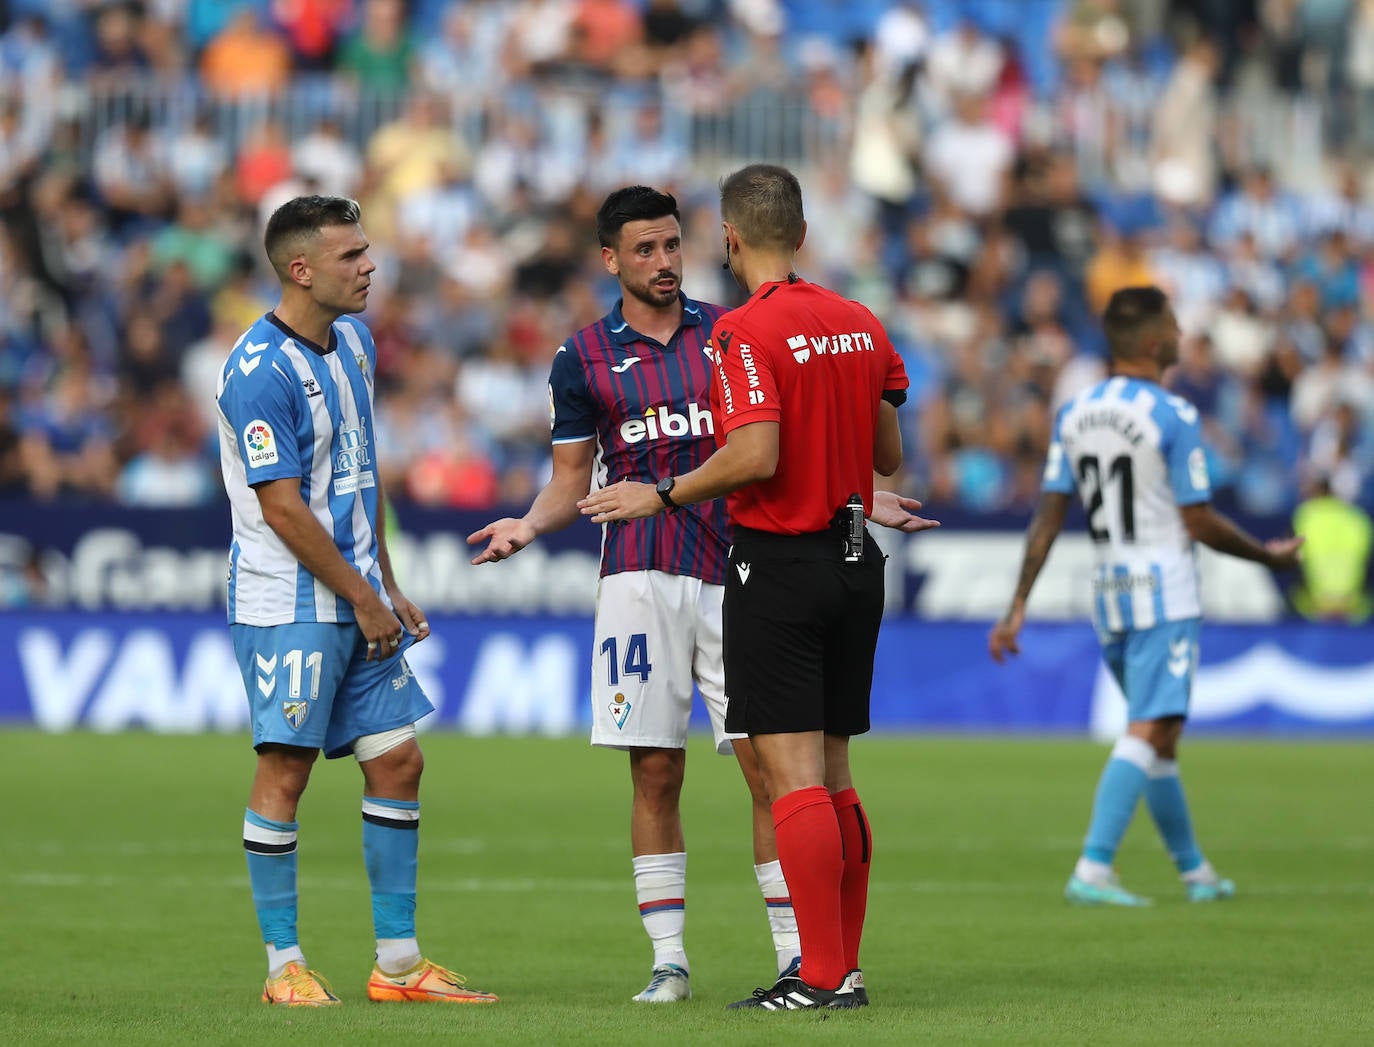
{"x":127,"y":919}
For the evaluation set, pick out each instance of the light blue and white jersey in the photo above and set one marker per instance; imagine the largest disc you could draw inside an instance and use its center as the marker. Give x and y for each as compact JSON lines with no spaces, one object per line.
{"x":290,"y":408}
{"x":1133,"y":452}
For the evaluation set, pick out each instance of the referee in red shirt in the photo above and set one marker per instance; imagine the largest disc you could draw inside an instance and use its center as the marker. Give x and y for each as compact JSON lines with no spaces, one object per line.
{"x":805,"y":398}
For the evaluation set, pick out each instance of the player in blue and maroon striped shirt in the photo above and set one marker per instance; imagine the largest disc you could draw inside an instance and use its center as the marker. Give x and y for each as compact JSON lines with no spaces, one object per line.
{"x":630,"y":400}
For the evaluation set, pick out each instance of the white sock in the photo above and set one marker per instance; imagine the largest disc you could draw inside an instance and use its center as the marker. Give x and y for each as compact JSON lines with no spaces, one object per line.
{"x":782,"y":920}
{"x":395,"y":955}
{"x":661,"y":887}
{"x":1090,"y":871}
{"x":1204,"y":873}
{"x":277,"y":959}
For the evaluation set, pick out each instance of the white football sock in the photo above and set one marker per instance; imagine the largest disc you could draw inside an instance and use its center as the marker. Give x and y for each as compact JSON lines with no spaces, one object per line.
{"x":277,"y":959}
{"x":782,"y":920}
{"x":661,"y":886}
{"x":395,"y":955}
{"x":1093,"y":872}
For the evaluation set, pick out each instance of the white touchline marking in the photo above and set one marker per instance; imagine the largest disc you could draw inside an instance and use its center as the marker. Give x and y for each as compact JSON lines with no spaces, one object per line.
{"x":440,"y":884}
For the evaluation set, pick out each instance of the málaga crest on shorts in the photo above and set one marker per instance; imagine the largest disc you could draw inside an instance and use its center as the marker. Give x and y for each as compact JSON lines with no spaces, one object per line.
{"x":295,"y":710}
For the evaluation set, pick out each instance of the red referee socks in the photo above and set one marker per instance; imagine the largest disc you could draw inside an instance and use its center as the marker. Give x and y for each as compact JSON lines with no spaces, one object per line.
{"x":858,"y":851}
{"x":811,"y":850}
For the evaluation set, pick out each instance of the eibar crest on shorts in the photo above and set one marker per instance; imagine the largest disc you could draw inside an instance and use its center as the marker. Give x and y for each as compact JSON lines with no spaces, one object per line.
{"x":620,"y":710}
{"x":295,"y":710}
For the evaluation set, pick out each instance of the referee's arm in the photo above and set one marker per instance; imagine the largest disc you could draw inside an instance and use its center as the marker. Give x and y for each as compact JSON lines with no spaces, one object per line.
{"x":887,"y":443}
{"x":750,"y":454}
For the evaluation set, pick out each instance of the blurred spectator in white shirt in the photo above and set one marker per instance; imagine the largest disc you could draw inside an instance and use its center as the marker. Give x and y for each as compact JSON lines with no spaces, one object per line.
{"x":969,"y":156}
{"x":538,"y":36}
{"x":963,"y":62}
{"x":1331,"y":381}
{"x":331,"y":160}
{"x":1241,"y":337}
{"x":901,"y":38}
{"x":1183,"y":142}
{"x":885,"y":145}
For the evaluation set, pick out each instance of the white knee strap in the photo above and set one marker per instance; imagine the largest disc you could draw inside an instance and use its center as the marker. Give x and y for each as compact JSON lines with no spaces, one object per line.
{"x":371,"y":746}
{"x":1134,"y":750}
{"x":1163,"y":768}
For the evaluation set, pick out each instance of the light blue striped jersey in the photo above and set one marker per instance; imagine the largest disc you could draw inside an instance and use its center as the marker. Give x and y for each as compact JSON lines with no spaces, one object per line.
{"x":290,"y":408}
{"x":1133,"y":452}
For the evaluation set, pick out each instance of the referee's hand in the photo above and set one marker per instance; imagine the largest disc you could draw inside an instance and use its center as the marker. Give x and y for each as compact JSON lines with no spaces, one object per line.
{"x":899,"y":513}
{"x":623,"y":501}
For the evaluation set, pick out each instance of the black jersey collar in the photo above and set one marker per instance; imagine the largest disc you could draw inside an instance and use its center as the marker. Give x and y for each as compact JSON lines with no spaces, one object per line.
{"x":300,"y":339}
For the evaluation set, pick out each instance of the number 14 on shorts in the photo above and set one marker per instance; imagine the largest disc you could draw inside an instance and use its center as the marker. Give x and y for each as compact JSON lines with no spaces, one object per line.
{"x":636,"y":661}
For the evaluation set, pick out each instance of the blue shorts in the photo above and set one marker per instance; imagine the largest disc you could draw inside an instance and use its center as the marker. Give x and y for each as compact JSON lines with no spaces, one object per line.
{"x":1154,"y":667}
{"x":309,"y":685}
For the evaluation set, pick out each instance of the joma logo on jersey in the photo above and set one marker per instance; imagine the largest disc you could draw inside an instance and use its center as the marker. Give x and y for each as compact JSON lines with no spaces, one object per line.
{"x":661,"y":422}
{"x":353,"y":454}
{"x":803,"y":346}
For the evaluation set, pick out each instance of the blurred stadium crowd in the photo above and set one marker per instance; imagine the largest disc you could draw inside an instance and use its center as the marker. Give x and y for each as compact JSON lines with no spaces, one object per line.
{"x":983,"y":173}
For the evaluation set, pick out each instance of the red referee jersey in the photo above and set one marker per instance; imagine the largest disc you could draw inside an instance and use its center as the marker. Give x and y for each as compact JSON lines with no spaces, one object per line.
{"x":817,"y":364}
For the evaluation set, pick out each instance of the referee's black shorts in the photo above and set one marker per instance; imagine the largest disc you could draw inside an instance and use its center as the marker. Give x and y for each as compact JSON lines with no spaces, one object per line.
{"x":800,"y":628}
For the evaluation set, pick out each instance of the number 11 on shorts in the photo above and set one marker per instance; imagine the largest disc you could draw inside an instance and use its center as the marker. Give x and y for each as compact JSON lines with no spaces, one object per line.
{"x":636,"y":658}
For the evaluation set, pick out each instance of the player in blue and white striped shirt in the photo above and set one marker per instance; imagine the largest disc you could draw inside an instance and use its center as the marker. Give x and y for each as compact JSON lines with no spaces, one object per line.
{"x":319,"y":625}
{"x":1133,"y":454}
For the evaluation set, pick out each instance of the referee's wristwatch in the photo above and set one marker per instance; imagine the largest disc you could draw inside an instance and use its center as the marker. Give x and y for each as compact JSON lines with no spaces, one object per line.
{"x":665,"y":491}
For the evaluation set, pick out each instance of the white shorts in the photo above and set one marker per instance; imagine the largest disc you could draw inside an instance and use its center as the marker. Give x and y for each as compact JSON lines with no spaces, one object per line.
{"x":656,"y":633}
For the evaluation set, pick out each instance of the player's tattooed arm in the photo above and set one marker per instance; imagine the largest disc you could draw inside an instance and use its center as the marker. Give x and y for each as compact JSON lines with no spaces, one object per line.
{"x":1044,"y":528}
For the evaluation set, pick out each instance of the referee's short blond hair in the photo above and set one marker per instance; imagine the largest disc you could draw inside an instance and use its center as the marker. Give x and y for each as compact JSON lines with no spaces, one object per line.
{"x":764,"y":203}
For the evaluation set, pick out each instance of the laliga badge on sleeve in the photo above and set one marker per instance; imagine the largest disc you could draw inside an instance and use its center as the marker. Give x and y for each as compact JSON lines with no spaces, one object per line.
{"x":1197,"y":469}
{"x":1054,"y":461}
{"x":260,"y":444}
